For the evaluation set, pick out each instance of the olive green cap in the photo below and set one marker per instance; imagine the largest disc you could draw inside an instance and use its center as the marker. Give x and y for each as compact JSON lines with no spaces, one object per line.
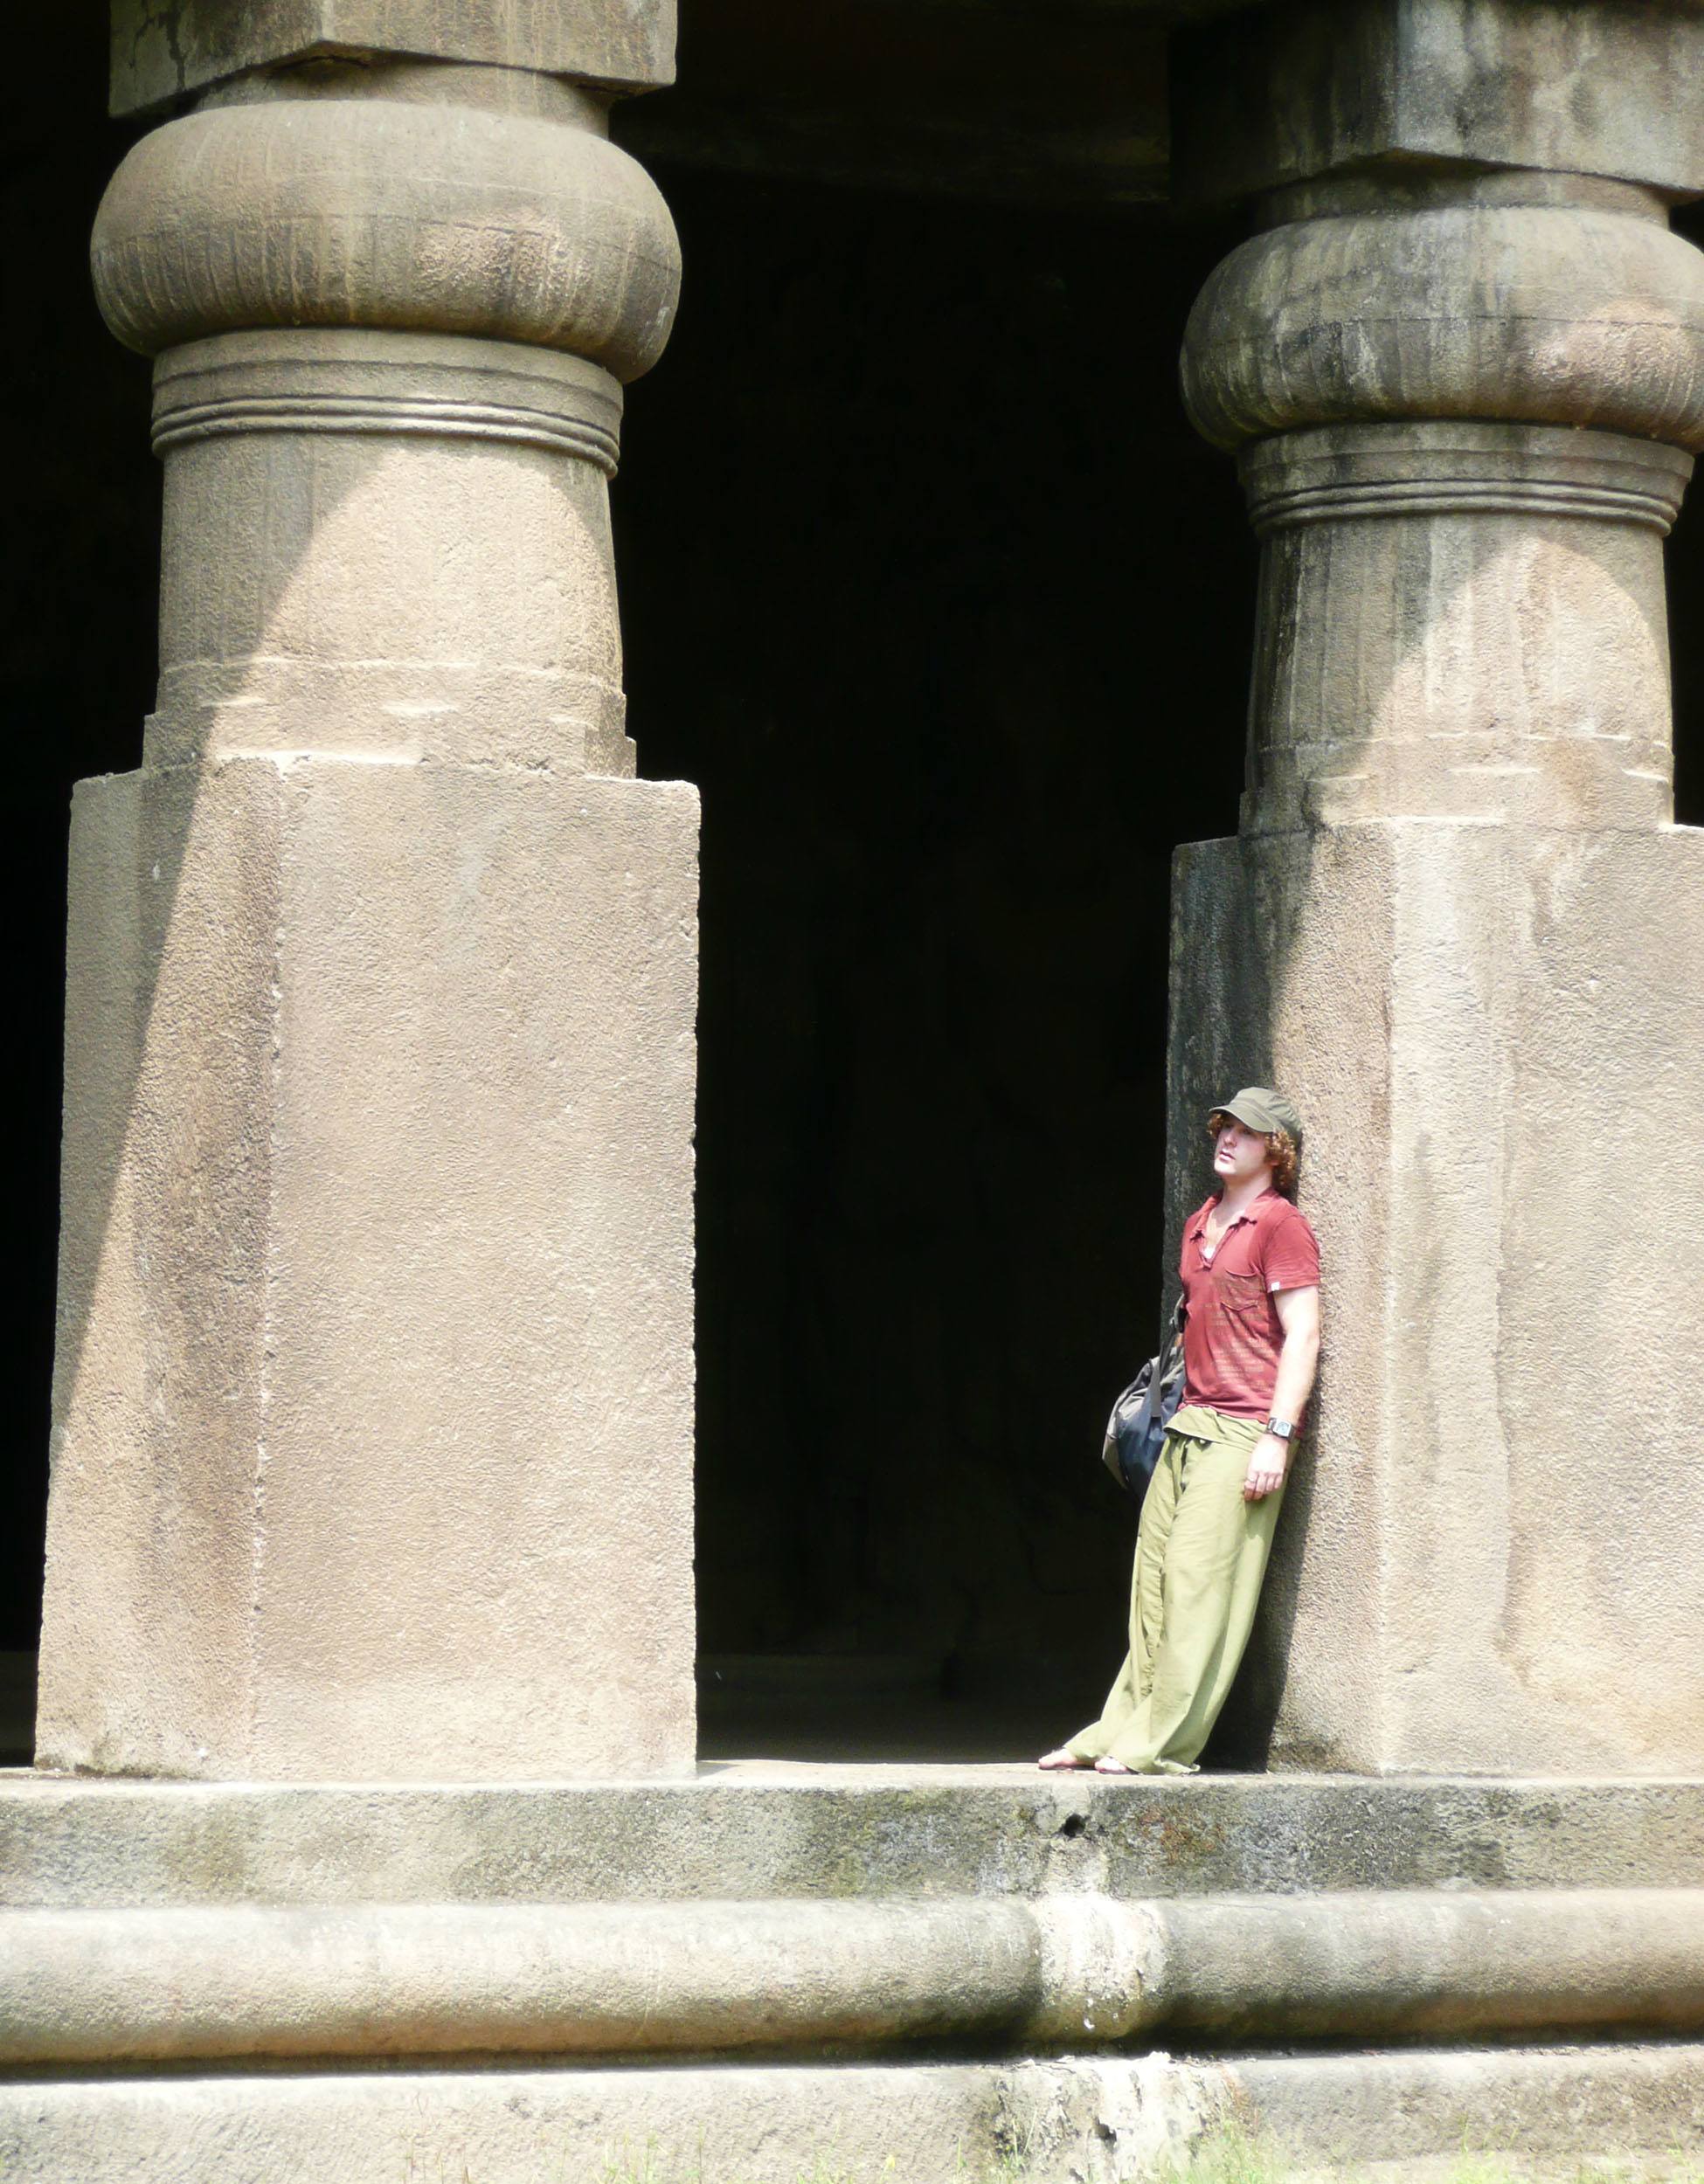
{"x":1257,"y":1107}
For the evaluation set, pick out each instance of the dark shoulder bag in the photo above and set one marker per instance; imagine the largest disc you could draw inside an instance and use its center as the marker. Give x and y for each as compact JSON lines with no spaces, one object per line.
{"x":1136,"y":1431}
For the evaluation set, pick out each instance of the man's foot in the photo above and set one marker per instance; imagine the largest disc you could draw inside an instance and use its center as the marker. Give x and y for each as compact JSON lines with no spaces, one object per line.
{"x":1109,"y":1766}
{"x":1057,"y":1762}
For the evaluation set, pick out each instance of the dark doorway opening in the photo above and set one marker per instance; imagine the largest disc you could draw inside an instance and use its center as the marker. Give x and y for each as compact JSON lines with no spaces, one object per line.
{"x":929,"y":585}
{"x":79,"y":583}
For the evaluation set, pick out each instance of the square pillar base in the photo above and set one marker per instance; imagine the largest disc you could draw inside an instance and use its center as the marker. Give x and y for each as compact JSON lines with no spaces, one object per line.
{"x":1495,"y":1036}
{"x":373,"y":1403}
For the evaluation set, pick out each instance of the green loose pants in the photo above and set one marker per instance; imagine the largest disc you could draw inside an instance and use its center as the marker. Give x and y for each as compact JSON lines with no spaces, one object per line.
{"x":1200,"y":1558}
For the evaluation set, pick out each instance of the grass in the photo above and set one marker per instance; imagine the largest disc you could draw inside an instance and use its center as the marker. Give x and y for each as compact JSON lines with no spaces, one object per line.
{"x":1229,"y":2155}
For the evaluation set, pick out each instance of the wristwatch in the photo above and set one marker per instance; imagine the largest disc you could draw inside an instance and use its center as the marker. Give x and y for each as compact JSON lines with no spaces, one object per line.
{"x":1281,"y":1429}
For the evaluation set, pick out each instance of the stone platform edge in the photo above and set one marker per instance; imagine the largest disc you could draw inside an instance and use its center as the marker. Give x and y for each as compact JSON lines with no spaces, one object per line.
{"x":1071,"y":2120}
{"x":774,"y":1832}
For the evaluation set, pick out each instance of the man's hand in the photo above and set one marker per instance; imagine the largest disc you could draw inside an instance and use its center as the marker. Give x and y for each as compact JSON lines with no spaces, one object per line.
{"x":1268,"y":1460}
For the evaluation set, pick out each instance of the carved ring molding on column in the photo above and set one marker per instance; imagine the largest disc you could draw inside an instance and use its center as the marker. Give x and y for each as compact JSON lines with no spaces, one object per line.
{"x":349,"y":212}
{"x":1544,"y":314}
{"x":311,"y":379}
{"x":1451,"y":468}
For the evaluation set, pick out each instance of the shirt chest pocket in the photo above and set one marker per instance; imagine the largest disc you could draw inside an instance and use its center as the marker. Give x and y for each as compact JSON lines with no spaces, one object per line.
{"x":1242,"y":1296}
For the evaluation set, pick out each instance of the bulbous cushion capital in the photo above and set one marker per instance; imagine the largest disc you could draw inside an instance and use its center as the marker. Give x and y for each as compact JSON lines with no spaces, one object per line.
{"x":1550,"y":315}
{"x":445,"y":219}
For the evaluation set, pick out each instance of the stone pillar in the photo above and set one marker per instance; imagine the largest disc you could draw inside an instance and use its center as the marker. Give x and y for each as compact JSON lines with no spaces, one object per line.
{"x":373,"y":1400}
{"x":1461,"y":362}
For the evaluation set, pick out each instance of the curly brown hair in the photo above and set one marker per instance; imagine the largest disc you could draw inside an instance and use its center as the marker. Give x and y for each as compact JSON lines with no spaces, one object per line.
{"x":1280,"y":1144}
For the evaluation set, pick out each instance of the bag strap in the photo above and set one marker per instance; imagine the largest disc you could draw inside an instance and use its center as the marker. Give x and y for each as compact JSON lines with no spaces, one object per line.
{"x":1151,"y":1401}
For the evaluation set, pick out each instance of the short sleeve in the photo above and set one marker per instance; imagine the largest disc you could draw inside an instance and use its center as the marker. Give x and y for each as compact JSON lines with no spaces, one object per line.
{"x":1291,"y":1257}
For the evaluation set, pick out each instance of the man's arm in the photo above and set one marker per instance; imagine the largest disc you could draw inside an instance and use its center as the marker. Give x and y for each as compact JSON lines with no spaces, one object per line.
{"x":1298,"y":1316}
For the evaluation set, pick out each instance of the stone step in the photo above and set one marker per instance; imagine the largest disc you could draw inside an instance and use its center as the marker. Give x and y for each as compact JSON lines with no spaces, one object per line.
{"x":758,"y":1831}
{"x":1067,"y":2121}
{"x":445,"y":1984}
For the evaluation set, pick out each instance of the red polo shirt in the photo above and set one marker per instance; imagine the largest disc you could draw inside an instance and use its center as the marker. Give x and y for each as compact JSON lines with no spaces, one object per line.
{"x":1233,"y":1335}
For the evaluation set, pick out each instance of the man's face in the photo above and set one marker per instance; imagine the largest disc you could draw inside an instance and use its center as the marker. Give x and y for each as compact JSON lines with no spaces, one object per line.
{"x":1239,"y":1154}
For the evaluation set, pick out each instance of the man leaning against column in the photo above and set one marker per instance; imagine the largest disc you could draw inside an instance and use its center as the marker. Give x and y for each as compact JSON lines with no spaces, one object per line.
{"x":1250,"y":1275}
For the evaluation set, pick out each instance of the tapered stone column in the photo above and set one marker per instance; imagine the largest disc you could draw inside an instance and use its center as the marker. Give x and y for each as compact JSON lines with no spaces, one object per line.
{"x":1465,"y":379}
{"x":373,"y":1409}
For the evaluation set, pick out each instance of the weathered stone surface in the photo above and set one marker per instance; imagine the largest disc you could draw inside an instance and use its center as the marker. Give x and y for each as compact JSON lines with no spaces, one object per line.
{"x":373,"y":546}
{"x":763,"y":2125}
{"x":1460,"y":621}
{"x":754,"y":1832}
{"x":162,"y":48}
{"x":437,"y":1980}
{"x":1487,"y":1565}
{"x":360,"y":1919}
{"x":1512,"y":297}
{"x":1462,"y":609}
{"x":1582,"y":86}
{"x":1538,"y":2104}
{"x":1458,"y":928}
{"x":375,"y":1347}
{"x":440,"y":217}
{"x":1069,"y":2121}
{"x":373,"y":1389}
{"x":219,"y":1984}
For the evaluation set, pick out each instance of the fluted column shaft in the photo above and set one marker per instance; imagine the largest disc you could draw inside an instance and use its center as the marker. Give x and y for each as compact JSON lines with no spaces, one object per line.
{"x":376,"y":1280}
